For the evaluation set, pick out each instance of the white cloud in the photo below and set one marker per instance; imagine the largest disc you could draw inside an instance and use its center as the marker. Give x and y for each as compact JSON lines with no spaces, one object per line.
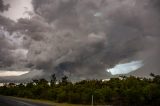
{"x":12,"y":73}
{"x":125,"y":68}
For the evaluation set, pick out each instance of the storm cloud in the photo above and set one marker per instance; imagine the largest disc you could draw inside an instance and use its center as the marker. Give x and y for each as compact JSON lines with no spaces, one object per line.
{"x":3,"y":7}
{"x":12,"y":52}
{"x":5,"y":58}
{"x":82,"y":38}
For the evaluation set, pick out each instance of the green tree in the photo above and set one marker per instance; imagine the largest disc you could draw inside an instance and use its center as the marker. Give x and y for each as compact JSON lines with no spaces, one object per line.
{"x":53,"y":80}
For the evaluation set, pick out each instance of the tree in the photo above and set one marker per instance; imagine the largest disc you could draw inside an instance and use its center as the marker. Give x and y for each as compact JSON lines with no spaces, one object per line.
{"x":125,"y":92}
{"x":64,"y":80}
{"x":53,"y":80}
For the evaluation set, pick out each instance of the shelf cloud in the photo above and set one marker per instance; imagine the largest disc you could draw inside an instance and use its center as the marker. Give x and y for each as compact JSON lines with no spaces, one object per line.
{"x":82,"y":38}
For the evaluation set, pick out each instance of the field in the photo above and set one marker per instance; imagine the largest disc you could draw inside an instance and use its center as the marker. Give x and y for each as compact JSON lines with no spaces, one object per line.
{"x":48,"y":102}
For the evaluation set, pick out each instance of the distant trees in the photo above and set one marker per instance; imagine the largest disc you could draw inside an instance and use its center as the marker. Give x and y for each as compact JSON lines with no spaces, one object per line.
{"x":125,"y":91}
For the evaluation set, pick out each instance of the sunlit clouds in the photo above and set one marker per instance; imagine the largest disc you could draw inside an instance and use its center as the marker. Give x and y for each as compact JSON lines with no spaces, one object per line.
{"x":125,"y":67}
{"x":12,"y":73}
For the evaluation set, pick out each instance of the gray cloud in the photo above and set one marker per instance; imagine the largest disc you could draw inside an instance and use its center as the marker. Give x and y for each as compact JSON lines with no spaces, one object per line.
{"x":5,"y":22}
{"x":3,"y":7}
{"x":81,"y":38}
{"x":5,"y":57}
{"x":12,"y":52}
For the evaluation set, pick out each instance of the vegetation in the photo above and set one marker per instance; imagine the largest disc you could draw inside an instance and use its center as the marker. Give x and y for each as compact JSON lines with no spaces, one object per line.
{"x":125,"y":91}
{"x":47,"y":102}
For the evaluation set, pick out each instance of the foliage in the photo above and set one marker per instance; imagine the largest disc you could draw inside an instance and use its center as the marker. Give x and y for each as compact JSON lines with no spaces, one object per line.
{"x":126,"y":91}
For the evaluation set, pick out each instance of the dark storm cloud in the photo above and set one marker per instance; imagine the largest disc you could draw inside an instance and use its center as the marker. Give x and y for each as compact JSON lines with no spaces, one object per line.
{"x":82,"y":38}
{"x":5,"y":22}
{"x":5,"y":57}
{"x":12,"y":53}
{"x":11,"y":46}
{"x":3,"y":7}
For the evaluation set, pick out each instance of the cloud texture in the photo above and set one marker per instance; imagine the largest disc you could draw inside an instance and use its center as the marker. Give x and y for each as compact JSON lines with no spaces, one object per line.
{"x":82,"y":38}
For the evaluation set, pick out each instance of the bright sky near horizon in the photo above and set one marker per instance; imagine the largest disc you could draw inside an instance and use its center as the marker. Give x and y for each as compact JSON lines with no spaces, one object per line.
{"x":125,"y":67}
{"x":12,"y":73}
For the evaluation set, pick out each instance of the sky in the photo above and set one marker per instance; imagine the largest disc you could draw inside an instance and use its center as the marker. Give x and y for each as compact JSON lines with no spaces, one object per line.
{"x":11,"y":73}
{"x":83,"y":39}
{"x":18,"y":9}
{"x":125,"y":68}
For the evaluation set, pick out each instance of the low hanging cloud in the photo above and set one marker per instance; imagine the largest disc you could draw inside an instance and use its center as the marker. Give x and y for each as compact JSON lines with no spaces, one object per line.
{"x":82,"y":38}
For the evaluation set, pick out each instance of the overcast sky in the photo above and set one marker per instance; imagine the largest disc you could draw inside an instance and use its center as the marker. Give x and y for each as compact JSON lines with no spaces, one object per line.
{"x":82,"y":39}
{"x":18,"y":9}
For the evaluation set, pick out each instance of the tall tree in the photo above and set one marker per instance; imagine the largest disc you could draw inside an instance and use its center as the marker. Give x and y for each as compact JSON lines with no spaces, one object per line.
{"x":53,"y":80}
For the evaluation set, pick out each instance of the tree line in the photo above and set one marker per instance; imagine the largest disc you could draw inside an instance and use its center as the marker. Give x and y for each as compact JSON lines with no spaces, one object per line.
{"x":125,"y":91}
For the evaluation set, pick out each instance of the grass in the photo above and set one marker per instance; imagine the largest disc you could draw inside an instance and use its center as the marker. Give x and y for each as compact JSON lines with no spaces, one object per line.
{"x":48,"y":102}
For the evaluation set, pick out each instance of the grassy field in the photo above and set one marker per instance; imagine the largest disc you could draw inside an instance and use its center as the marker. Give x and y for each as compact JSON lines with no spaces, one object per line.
{"x":49,"y":102}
